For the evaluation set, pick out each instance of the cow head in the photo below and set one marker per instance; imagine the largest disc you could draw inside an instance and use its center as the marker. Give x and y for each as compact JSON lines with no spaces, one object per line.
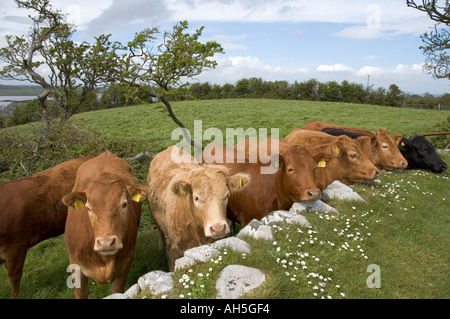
{"x":297,"y":166}
{"x":349,"y":164}
{"x":108,"y":204}
{"x":421,"y":154}
{"x":386,"y":154}
{"x":207,"y":188}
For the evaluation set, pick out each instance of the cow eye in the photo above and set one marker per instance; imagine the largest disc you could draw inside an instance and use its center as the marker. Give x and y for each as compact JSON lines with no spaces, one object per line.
{"x":353,"y":155}
{"x":290,"y":170}
{"x":124,"y":205}
{"x":197,"y":199}
{"x":385,"y":146}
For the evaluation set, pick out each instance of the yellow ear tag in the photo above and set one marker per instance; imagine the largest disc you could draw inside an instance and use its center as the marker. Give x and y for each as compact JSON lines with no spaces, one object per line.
{"x":78,"y":204}
{"x":337,"y":151}
{"x":396,"y":142}
{"x":240,"y":182}
{"x":403,"y":144}
{"x":182,"y":192}
{"x":136,"y":197}
{"x":322,"y":163}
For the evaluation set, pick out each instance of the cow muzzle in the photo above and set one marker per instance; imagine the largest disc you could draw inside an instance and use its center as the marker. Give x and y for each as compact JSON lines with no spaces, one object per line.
{"x":404,"y":164}
{"x":217,"y":230}
{"x":311,"y":195}
{"x":108,"y":245}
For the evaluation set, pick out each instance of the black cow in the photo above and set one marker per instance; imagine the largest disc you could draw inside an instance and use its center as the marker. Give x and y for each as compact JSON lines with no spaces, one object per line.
{"x":419,"y":153}
{"x":338,"y":132}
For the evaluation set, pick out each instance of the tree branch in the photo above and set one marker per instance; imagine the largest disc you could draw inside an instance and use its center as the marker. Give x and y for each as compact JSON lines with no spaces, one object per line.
{"x":180,"y":124}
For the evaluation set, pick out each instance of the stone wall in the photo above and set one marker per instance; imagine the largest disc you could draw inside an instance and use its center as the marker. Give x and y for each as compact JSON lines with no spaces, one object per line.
{"x":236,"y":280}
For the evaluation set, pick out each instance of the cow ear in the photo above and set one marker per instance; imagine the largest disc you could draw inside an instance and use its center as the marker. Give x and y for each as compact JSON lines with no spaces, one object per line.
{"x":138,"y":192}
{"x":75,"y":200}
{"x":181,"y":188}
{"x":398,"y":139}
{"x":373,"y":141}
{"x":238,"y":181}
{"x":323,"y":159}
{"x":336,"y":151}
{"x":277,"y":161}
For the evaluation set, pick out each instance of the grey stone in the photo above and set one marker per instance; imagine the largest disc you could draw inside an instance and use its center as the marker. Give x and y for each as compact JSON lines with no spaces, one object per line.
{"x":317,"y":206}
{"x":338,"y":190}
{"x":116,"y":296}
{"x":183,"y":262}
{"x":263,"y":232}
{"x":201,"y":253}
{"x":293,"y":218}
{"x":233,"y":243}
{"x":284,"y":216}
{"x":236,"y":280}
{"x":254,"y":223}
{"x":156,"y":282}
{"x":273,"y":218}
{"x":133,"y":291}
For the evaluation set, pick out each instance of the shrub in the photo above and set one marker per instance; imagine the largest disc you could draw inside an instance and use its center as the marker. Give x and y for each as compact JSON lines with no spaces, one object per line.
{"x":441,"y":141}
{"x":28,"y":154}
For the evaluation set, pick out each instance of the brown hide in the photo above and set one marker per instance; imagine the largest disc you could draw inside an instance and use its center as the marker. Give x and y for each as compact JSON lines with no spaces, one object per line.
{"x":381,"y":148}
{"x":319,"y":126}
{"x":188,"y":201}
{"x":292,"y":181}
{"x":344,"y":162}
{"x":32,"y":211}
{"x":102,"y":222}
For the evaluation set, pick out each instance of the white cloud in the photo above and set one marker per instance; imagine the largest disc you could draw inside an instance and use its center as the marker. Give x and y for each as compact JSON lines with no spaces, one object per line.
{"x":232,"y":69}
{"x":271,"y":11}
{"x":411,"y":25}
{"x":333,"y":68}
{"x":229,"y":42}
{"x":122,"y":15}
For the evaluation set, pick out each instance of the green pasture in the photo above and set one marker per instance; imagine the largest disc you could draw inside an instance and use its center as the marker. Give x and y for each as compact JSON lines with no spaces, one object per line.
{"x":151,"y":124}
{"x":403,"y":228}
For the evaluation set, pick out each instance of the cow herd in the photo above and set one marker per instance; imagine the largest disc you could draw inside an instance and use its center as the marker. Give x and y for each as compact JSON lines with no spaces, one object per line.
{"x":96,"y":201}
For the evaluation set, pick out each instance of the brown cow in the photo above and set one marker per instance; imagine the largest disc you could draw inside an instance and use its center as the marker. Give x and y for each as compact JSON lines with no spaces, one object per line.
{"x":102,"y":222}
{"x":188,"y":201}
{"x":291,"y":181}
{"x":381,"y":148}
{"x":347,"y":163}
{"x":319,"y":126}
{"x":32,"y":211}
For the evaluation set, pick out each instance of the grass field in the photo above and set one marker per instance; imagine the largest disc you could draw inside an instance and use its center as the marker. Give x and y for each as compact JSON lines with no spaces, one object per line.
{"x":152,"y":125}
{"x":403,"y":228}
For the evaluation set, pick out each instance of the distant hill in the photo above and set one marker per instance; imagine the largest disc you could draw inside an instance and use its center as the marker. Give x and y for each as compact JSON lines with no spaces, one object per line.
{"x":20,"y":89}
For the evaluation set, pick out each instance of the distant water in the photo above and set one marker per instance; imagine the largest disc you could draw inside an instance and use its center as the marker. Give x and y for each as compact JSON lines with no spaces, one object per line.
{"x":5,"y":100}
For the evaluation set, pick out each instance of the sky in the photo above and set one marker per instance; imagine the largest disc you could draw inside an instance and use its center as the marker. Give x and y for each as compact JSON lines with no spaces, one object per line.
{"x":293,"y":40}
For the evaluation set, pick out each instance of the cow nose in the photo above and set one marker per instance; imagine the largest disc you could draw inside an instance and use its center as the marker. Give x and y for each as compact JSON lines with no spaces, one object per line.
{"x":110,"y":244}
{"x":404,"y":164}
{"x":313,"y":194}
{"x":377,"y":173}
{"x":218,"y":229}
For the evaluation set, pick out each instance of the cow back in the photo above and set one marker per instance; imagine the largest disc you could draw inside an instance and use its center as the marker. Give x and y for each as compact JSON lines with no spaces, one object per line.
{"x":32,"y":208}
